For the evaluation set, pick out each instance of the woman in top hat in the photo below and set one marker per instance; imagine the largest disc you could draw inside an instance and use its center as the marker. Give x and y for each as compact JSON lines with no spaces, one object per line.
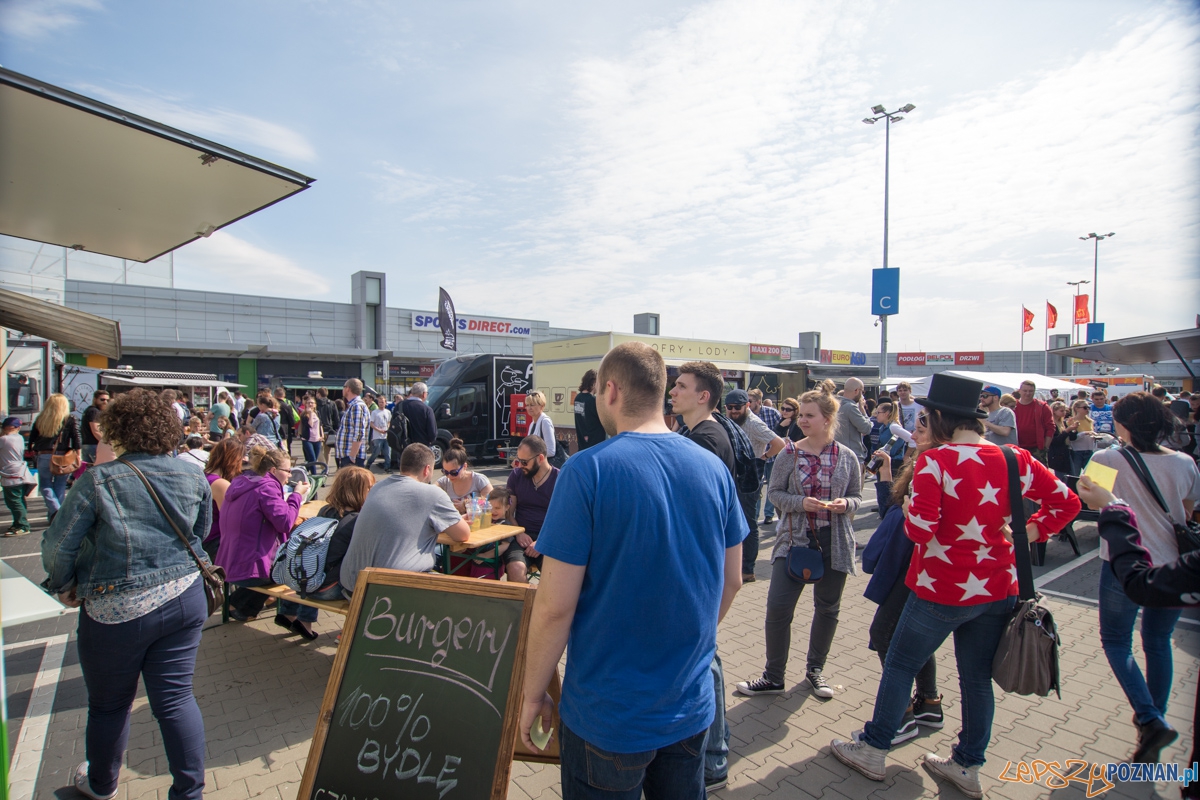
{"x":962,"y":575}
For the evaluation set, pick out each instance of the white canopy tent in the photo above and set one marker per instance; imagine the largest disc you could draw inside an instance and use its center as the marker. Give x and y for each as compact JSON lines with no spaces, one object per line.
{"x":1005,"y":381}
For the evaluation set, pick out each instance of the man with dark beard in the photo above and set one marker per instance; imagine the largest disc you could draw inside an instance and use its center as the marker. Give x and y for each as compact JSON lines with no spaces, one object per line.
{"x":531,"y":483}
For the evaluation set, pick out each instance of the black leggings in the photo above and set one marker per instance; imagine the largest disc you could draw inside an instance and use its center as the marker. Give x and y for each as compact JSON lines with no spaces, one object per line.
{"x":887,"y":616}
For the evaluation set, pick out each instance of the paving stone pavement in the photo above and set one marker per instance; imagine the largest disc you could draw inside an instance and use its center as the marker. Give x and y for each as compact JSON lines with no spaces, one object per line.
{"x":259,"y":691}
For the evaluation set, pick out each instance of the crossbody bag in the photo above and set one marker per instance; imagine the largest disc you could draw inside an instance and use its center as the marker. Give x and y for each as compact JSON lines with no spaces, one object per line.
{"x":1187,"y":534}
{"x":68,"y":462}
{"x":1026,"y":660}
{"x":214,"y":576}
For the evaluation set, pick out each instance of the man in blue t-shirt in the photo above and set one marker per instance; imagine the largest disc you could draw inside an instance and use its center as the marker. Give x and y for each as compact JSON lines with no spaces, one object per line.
{"x":637,"y":579}
{"x":1101,"y":413}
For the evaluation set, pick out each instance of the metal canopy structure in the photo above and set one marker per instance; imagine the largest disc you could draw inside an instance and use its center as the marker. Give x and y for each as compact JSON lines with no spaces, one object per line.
{"x":1182,"y":346}
{"x":68,"y":327}
{"x":83,"y":174}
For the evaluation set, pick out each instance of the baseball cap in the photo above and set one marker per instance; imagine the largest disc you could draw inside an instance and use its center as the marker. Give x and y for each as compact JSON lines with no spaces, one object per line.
{"x":991,"y":390}
{"x":737,"y":397}
{"x":11,"y":422}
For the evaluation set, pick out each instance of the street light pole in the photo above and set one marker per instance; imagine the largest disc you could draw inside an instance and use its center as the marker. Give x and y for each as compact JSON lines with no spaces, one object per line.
{"x":889,"y":117}
{"x":1096,"y":269}
{"x":1074,"y":323}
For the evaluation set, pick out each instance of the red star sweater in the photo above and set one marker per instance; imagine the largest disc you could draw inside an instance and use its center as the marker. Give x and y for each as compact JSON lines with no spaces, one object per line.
{"x":958,"y":507}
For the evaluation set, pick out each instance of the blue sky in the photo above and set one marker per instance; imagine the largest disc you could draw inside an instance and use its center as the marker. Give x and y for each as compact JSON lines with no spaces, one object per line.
{"x":585,"y":162}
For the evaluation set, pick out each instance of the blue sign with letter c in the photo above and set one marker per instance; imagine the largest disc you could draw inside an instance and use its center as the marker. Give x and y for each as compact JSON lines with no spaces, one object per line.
{"x":885,"y":292}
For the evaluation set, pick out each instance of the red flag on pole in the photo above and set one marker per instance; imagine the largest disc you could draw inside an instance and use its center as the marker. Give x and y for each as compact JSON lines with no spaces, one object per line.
{"x":1028,"y":325}
{"x":1082,"y":315}
{"x":1051,"y":316}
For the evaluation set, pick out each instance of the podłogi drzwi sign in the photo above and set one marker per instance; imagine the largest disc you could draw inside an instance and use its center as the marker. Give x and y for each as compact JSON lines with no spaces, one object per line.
{"x":965,"y":359}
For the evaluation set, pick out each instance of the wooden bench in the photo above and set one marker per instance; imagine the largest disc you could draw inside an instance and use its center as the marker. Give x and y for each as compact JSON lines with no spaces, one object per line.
{"x":281,"y":592}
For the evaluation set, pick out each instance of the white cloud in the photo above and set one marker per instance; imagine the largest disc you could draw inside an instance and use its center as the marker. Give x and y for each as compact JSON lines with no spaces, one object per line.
{"x":425,"y":198}
{"x":223,"y":262}
{"x":223,"y":126}
{"x":720,"y":175}
{"x":33,"y":19}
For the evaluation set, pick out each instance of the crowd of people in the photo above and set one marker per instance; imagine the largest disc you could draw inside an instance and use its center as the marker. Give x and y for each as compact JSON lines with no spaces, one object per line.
{"x":941,"y":561}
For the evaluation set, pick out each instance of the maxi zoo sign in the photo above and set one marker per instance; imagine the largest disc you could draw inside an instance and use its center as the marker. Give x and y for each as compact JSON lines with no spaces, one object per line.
{"x":475,"y":325}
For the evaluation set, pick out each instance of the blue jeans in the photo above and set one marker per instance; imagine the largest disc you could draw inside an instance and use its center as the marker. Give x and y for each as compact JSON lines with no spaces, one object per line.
{"x":716,"y":742}
{"x":89,"y":453}
{"x":380,"y":450}
{"x":311,"y":451}
{"x":768,"y":509}
{"x":160,"y":647}
{"x":922,"y":628}
{"x":57,"y":484}
{"x":308,"y":613}
{"x":346,"y":461}
{"x":1079,"y":461}
{"x":1148,"y":695}
{"x":749,"y":502}
{"x":674,"y":772}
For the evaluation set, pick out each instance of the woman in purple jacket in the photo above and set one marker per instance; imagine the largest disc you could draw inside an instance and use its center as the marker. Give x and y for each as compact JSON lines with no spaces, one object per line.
{"x":255,"y":519}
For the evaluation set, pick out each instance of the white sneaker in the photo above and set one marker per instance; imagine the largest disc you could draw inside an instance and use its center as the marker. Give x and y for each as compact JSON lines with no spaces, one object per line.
{"x":84,"y":787}
{"x":965,"y":778}
{"x":870,"y":761}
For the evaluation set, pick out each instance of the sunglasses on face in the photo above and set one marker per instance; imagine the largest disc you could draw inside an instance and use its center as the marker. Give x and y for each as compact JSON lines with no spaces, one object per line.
{"x":453,"y":473}
{"x":923,"y":420}
{"x":735,"y":406}
{"x":523,"y":462}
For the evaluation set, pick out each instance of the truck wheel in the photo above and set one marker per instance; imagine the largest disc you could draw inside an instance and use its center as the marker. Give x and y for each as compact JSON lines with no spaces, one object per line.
{"x":438,"y":447}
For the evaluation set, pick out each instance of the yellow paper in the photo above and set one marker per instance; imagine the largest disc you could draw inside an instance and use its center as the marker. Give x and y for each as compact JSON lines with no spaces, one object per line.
{"x":539,"y":737}
{"x":1101,"y":475}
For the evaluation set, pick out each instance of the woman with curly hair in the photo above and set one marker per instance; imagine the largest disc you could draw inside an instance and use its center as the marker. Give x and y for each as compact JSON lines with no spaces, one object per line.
{"x":54,"y":433}
{"x":223,"y":465}
{"x":256,"y":519}
{"x":114,"y":553}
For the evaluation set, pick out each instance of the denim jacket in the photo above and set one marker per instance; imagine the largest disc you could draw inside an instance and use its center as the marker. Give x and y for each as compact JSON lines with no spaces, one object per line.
{"x":109,"y":535}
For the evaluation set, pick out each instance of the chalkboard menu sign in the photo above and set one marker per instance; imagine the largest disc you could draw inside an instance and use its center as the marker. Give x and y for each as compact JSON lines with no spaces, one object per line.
{"x":424,"y":696}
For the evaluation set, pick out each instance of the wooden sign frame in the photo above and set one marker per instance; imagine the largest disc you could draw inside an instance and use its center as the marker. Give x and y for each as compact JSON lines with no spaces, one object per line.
{"x":438,"y":583}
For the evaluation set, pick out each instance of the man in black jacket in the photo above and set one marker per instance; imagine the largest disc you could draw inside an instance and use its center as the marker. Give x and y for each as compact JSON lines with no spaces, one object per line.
{"x":422,"y":425}
{"x":327,"y":413}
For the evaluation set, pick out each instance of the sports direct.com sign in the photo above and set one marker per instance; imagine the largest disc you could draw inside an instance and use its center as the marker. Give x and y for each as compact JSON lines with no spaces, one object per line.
{"x":964,"y":359}
{"x":477,"y":325}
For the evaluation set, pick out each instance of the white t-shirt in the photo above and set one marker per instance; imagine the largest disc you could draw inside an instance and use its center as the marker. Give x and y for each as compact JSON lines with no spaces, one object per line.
{"x":545,"y":429}
{"x":908,"y":415}
{"x":380,"y":418}
{"x":1177,"y":480}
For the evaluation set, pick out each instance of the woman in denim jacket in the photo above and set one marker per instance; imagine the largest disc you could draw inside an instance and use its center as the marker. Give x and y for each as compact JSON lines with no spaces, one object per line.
{"x":111,"y":550}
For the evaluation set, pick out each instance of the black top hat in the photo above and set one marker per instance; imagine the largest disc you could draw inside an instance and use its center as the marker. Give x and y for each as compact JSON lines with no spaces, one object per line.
{"x":954,"y":395}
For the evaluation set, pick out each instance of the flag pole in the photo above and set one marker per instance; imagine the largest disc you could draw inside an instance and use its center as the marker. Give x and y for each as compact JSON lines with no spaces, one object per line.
{"x":1022,"y":337}
{"x":1046,"y":342}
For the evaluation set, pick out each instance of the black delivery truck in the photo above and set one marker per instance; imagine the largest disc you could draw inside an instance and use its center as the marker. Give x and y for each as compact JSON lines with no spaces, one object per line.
{"x":470,"y":397}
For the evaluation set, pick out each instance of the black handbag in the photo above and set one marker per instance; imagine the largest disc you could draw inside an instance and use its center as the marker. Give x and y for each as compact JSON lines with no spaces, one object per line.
{"x":1026,"y":660}
{"x":805,"y":562}
{"x":214,"y":577}
{"x":1187,"y":534}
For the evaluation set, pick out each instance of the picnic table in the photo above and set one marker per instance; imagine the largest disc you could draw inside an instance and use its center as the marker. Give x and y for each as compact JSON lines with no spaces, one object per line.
{"x":481,"y":538}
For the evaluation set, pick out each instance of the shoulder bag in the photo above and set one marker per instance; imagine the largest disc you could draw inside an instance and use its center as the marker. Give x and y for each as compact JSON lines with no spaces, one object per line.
{"x":1187,"y":534}
{"x":805,"y":563}
{"x":68,"y":462}
{"x":214,"y":576}
{"x":1026,"y":660}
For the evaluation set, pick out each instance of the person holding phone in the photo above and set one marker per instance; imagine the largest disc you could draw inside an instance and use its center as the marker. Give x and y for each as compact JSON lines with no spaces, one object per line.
{"x":817,"y":486}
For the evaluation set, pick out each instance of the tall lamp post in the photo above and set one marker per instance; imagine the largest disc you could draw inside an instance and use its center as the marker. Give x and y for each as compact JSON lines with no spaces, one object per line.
{"x":888,"y":117}
{"x":1096,"y":268}
{"x":1074,"y":324}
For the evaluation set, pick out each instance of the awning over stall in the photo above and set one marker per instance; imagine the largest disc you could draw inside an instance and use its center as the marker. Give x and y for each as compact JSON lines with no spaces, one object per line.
{"x":1182,"y":346}
{"x":70,"y":328}
{"x":83,"y":174}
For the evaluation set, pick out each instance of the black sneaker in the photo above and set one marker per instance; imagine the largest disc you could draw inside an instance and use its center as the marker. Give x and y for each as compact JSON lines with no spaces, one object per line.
{"x":928,"y":713}
{"x":820,"y":687}
{"x":760,"y":686}
{"x":1152,"y":738}
{"x":908,"y":728}
{"x":713,"y":784}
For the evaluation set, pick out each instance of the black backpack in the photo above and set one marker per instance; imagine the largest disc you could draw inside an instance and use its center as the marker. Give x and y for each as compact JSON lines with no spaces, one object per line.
{"x":397,"y":434}
{"x":748,"y":470}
